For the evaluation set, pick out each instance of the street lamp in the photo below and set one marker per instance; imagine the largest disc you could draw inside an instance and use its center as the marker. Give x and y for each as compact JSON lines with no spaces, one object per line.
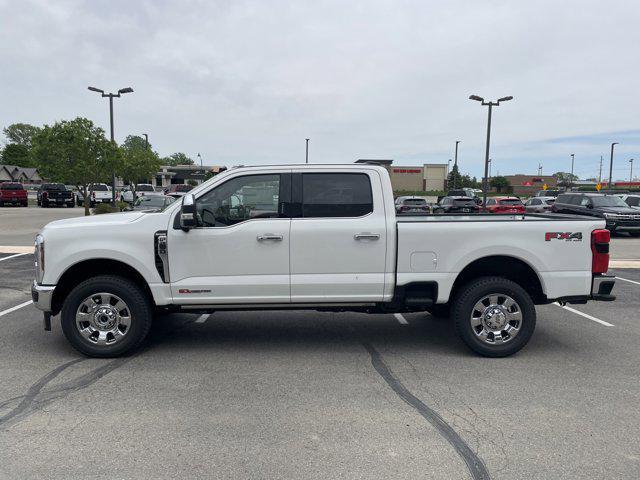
{"x":489,"y":104}
{"x":631,"y":172}
{"x":455,"y":163}
{"x":306,"y":155}
{"x":490,"y":168}
{"x":111,"y":96}
{"x":611,"y":166}
{"x":201,"y":167}
{"x":571,"y":177}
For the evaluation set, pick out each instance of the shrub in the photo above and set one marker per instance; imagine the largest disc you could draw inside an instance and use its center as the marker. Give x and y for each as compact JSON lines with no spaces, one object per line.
{"x":105,"y":208}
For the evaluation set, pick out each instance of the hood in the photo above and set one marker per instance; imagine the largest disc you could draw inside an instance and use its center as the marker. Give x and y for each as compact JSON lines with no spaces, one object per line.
{"x":619,"y":210}
{"x":106,"y":219}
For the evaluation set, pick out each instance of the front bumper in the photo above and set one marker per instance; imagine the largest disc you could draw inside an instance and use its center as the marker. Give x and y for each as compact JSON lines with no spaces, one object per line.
{"x":42,"y":296}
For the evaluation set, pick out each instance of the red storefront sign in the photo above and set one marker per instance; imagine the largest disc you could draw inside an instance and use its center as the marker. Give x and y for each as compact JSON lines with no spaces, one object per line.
{"x":407,"y":170}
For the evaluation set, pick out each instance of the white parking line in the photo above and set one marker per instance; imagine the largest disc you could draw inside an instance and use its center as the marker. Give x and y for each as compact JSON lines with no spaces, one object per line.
{"x":17,"y":307}
{"x":578,"y":312}
{"x":203,"y":318}
{"x":12,"y":256}
{"x":401,"y":319}
{"x":627,"y":280}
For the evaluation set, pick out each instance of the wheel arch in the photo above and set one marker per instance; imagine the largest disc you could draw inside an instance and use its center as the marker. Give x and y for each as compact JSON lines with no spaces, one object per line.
{"x":506,"y":266}
{"x":84,"y":269}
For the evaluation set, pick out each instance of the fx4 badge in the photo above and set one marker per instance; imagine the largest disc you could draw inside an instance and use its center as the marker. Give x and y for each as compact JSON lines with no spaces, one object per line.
{"x":566,"y":236}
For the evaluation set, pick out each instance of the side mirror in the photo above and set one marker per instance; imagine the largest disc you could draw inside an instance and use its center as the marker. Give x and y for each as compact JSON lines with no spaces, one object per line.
{"x":589,"y":205}
{"x":188,"y":214}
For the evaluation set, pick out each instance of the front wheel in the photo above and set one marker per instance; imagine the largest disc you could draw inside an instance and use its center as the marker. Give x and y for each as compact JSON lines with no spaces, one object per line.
{"x":494,"y":316}
{"x":106,"y":316}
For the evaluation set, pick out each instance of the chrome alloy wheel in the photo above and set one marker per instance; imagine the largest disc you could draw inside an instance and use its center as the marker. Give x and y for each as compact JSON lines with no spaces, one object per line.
{"x":496,"y":319}
{"x":103,"y":318}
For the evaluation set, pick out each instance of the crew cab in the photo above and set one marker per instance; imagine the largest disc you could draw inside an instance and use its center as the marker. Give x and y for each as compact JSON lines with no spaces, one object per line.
{"x":319,"y":237}
{"x":54,"y":194}
{"x":97,"y":192}
{"x":13,"y":193}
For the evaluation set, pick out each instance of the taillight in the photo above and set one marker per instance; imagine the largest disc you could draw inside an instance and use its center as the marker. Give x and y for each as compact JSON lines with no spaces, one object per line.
{"x":93,"y":195}
{"x":600,"y":251}
{"x":45,"y":194}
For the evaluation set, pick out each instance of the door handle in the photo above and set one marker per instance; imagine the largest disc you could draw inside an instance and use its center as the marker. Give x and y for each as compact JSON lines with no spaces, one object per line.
{"x":269,"y":236}
{"x":366,"y":236}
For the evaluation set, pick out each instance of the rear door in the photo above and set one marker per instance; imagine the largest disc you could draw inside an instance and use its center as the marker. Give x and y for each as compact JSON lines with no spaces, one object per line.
{"x":338,"y":237}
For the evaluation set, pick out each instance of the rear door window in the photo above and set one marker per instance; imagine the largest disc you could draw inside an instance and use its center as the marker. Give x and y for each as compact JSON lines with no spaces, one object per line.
{"x":336,"y":195}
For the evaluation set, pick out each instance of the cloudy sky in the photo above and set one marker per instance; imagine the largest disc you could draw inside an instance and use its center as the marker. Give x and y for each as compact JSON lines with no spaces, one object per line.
{"x":244,"y":82}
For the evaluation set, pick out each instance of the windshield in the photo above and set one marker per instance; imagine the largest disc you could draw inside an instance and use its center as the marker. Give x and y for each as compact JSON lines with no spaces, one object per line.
{"x":155,"y":203}
{"x":97,"y":187}
{"x":608,"y":201}
{"x":510,"y":201}
{"x":145,"y":188}
{"x":53,"y":186}
{"x":11,"y":186}
{"x":415,"y":201}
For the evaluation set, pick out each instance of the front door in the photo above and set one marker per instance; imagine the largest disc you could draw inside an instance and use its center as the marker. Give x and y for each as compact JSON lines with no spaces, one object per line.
{"x":338,"y":238}
{"x":239,"y":253}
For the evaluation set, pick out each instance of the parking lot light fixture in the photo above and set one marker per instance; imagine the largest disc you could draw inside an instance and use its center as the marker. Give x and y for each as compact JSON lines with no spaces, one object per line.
{"x":571,"y":177}
{"x":630,"y":171}
{"x":489,"y":104}
{"x":611,"y":166}
{"x":111,"y":96}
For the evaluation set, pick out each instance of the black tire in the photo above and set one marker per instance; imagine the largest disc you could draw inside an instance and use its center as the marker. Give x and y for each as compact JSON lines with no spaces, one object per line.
{"x":71,"y":204}
{"x":474,"y":291}
{"x":45,"y":204}
{"x":26,"y":204}
{"x":139,"y":306}
{"x":80,"y":203}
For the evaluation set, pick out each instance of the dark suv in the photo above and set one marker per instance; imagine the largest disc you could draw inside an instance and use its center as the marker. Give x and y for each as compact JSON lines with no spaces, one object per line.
{"x":619,"y":216}
{"x":457,"y":205}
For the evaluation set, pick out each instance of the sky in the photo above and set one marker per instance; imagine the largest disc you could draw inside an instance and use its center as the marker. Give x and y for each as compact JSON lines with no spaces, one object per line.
{"x":245,"y":82}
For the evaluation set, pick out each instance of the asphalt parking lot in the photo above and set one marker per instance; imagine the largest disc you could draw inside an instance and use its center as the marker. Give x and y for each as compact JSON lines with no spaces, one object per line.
{"x":321,"y":395}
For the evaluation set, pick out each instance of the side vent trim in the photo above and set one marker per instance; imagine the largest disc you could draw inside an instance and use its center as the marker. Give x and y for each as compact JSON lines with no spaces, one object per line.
{"x":161,"y":255}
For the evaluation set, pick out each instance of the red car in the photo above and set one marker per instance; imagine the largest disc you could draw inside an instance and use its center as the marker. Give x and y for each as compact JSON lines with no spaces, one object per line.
{"x":504,"y":205}
{"x":13,"y":194}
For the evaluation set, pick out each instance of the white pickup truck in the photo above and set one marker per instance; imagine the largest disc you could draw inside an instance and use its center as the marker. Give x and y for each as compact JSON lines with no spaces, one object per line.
{"x":98,"y":193}
{"x":318,"y":237}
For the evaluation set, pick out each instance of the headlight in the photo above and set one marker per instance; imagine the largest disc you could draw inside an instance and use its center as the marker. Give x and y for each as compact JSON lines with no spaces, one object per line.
{"x":39,"y":257}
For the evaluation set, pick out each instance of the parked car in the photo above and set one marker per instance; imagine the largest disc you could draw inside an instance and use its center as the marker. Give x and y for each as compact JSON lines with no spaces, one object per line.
{"x":456,"y":205}
{"x":619,"y":216}
{"x":504,"y":205}
{"x":539,"y":204}
{"x":412,"y":205}
{"x":98,"y":193}
{"x":155,"y":203}
{"x":13,"y":193}
{"x":548,"y":193}
{"x":54,"y":194}
{"x":632,"y":200}
{"x":178,"y":189}
{"x":142,"y":190}
{"x":466,"y":192}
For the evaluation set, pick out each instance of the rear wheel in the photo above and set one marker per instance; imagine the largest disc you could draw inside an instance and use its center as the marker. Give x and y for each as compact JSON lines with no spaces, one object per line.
{"x":494,"y":316}
{"x":106,"y":316}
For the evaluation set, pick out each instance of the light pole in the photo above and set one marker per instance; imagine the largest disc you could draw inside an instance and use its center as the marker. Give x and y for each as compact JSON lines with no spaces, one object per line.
{"x":631,"y":171}
{"x":201,"y":167}
{"x":306,"y":155}
{"x":146,"y":141}
{"x":111,"y":96}
{"x":486,"y":156}
{"x":611,"y":166}
{"x":455,"y":163}
{"x":571,"y":177}
{"x":490,"y":161}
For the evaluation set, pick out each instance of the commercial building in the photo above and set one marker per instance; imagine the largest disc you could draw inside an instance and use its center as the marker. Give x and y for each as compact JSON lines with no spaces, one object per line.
{"x":527,"y":185}
{"x":179,"y":174}
{"x":421,"y":178}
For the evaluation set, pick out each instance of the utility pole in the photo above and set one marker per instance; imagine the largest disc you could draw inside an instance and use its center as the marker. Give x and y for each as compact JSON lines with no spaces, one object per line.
{"x":539,"y":169}
{"x":489,"y":104}
{"x":571,"y":177}
{"x":600,"y":174}
{"x":455,"y":163}
{"x":111,"y":96}
{"x":631,"y":172}
{"x":306,"y":155}
{"x":490,"y":162}
{"x":611,"y":166}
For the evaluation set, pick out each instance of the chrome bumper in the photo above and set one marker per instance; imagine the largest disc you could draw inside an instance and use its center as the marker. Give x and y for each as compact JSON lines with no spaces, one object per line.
{"x":42,"y":295}
{"x":601,"y":287}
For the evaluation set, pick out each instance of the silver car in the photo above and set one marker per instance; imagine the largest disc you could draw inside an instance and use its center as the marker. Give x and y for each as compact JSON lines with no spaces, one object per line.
{"x":539,"y":204}
{"x":632,"y":200}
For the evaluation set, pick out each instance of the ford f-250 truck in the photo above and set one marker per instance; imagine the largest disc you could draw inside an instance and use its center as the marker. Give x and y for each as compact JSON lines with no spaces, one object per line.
{"x":321,"y":237}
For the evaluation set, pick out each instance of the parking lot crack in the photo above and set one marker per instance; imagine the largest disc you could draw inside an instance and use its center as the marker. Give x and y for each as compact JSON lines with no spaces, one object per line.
{"x":474,"y":464}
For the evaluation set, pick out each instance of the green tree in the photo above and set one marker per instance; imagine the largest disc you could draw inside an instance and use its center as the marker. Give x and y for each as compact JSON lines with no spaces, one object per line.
{"x":137,"y":161}
{"x":565,"y":179}
{"x":21,"y":133}
{"x":74,"y":152}
{"x":500,"y":183}
{"x":16,"y":154}
{"x":177,"y":158}
{"x":454,"y":179}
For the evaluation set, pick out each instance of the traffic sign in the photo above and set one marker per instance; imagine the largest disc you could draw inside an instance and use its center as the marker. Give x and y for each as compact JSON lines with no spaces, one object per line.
{"x":545,"y":187}
{"x":598,"y":186}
